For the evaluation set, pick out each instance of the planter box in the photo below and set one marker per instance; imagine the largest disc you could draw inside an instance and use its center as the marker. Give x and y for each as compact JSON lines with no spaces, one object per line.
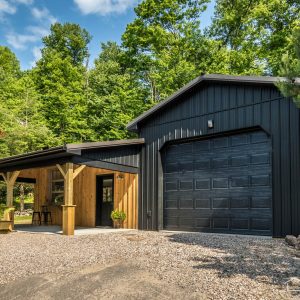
{"x":6,"y":226}
{"x":118,"y":224}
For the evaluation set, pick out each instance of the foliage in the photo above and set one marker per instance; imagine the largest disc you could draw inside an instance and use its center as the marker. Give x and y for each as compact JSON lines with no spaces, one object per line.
{"x":62,"y":100}
{"x":4,"y":210}
{"x":61,"y":88}
{"x":118,"y":215}
{"x":257,"y":32}
{"x":70,"y":40}
{"x":22,"y":127}
{"x":159,"y":44}
{"x":290,"y":69}
{"x":115,"y":95}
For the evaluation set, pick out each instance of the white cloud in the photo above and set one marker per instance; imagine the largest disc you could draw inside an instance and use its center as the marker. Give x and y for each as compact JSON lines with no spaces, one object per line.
{"x":38,"y":31}
{"x":7,"y":8}
{"x":43,"y":14}
{"x":10,"y":7}
{"x":104,"y":7}
{"x":20,"y":41}
{"x":36,"y":51}
{"x":37,"y":54}
{"x":34,"y":33}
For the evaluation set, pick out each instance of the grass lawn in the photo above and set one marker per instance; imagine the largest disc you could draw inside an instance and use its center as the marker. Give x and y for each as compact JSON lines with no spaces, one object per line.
{"x":22,"y":219}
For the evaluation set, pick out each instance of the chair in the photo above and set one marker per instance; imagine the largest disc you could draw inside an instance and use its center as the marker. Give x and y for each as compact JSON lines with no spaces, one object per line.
{"x":36,"y":218}
{"x":46,"y":216}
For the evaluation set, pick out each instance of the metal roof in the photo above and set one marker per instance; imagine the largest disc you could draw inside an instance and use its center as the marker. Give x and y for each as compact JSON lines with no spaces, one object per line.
{"x":263,"y":80}
{"x":60,"y":154}
{"x":96,"y":145}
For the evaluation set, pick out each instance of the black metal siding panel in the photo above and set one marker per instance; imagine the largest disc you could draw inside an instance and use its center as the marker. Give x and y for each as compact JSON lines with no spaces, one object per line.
{"x":126,"y":155}
{"x":285,"y":149}
{"x":295,"y":171}
{"x":231,"y":107}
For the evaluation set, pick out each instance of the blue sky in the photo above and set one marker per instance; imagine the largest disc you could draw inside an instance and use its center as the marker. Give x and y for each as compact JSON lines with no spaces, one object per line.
{"x":24,"y":22}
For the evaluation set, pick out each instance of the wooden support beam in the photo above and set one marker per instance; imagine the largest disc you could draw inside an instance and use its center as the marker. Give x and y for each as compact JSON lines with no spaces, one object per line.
{"x":69,"y":175}
{"x":62,"y":171}
{"x":10,"y":179}
{"x":78,"y":170}
{"x":68,"y":187}
{"x":68,"y":219}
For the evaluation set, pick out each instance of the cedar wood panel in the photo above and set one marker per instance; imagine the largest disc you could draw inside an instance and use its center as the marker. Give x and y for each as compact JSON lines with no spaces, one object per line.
{"x":125,"y":195}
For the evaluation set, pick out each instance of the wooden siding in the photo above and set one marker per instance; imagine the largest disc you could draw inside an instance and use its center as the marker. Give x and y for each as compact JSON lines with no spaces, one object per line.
{"x":125,"y":195}
{"x":232,"y":107}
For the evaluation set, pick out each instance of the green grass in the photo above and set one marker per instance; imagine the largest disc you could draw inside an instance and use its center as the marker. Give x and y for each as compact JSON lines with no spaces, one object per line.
{"x":22,"y":219}
{"x":27,"y":199}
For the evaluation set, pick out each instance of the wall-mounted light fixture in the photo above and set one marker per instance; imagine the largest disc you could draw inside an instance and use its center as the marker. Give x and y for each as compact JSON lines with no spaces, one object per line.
{"x":120,"y":176}
{"x":210,"y":124}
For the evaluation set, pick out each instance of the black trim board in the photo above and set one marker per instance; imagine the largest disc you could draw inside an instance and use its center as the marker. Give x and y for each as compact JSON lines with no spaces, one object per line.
{"x":105,"y":165}
{"x":22,"y":180}
{"x":213,"y":135}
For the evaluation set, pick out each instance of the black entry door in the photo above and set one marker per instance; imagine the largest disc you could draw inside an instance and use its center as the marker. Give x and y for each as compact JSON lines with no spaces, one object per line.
{"x":104,"y":200}
{"x":222,"y":184}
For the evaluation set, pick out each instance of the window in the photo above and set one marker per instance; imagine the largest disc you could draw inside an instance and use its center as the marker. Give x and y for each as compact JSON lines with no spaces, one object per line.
{"x":57,"y":187}
{"x":108,"y":190}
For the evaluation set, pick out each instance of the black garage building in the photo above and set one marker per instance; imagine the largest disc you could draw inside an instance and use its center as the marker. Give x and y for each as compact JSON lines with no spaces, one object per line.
{"x":221,"y":155}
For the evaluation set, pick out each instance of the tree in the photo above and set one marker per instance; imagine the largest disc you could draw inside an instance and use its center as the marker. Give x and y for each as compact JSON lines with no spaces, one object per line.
{"x":290,"y":69}
{"x":256,"y":32}
{"x":9,"y":64}
{"x":60,"y":77}
{"x":160,"y":44}
{"x":116,"y":96}
{"x":61,"y":88}
{"x":22,"y":127}
{"x":70,"y":40}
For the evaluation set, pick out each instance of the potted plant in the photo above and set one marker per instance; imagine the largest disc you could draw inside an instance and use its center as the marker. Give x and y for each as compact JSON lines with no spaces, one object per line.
{"x":118,"y":218}
{"x":6,"y":220}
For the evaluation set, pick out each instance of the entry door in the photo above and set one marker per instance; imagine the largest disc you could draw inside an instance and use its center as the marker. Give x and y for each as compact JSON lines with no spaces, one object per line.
{"x":223,"y":184}
{"x":105,"y":200}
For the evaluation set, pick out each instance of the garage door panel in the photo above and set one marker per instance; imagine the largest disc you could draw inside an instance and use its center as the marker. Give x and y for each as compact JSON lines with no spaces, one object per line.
{"x":222,"y":184}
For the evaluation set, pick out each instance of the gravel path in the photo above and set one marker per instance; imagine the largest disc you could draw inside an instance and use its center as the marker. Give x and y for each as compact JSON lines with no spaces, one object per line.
{"x":203,"y":266}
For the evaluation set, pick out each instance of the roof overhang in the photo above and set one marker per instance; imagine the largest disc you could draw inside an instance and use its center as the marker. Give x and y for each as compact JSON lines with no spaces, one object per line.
{"x":59,"y":155}
{"x":211,"y":78}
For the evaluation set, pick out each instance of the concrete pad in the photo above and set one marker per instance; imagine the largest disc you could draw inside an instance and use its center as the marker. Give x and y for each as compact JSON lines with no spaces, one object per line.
{"x":53,"y":229}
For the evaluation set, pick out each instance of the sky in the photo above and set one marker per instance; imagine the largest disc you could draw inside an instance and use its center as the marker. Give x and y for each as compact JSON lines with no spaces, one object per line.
{"x":24,"y":22}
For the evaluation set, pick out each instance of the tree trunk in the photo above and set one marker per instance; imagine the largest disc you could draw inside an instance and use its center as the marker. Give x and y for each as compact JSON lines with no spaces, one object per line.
{"x":22,"y":196}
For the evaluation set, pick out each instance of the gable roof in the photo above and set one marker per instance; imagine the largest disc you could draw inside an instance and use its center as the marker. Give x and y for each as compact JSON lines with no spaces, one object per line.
{"x":263,"y":80}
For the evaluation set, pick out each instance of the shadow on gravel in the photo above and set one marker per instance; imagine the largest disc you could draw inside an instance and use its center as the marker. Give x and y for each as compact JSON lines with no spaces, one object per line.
{"x":258,"y":258}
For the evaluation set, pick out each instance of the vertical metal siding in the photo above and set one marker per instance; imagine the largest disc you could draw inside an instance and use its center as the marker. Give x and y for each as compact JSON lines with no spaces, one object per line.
{"x":232,"y":107}
{"x":127,"y":155}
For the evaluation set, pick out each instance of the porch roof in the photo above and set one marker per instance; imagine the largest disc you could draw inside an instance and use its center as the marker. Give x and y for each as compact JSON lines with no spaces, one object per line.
{"x":120,"y":155}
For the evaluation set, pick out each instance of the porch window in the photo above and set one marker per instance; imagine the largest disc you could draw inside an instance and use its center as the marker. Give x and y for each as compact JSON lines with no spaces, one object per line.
{"x":57,"y":187}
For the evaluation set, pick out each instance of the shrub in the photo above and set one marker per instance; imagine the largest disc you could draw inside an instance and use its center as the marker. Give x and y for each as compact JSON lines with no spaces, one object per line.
{"x":4,"y":209}
{"x":117,"y":215}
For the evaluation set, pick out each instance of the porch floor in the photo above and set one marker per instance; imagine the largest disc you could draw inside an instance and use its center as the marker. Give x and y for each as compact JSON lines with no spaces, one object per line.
{"x":53,"y":229}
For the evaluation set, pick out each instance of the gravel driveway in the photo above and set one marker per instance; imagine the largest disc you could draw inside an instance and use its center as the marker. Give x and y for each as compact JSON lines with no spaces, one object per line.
{"x":145,"y":265}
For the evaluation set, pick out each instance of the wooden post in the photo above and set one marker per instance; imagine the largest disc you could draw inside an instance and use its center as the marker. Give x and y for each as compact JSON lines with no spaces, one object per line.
{"x":69,"y":208}
{"x":10,"y":179}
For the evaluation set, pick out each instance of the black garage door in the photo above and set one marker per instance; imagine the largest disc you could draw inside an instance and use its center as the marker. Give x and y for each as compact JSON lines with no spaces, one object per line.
{"x":221,"y":184}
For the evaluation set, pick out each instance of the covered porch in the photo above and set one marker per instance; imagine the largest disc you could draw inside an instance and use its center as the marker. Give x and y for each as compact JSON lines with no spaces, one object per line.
{"x":80,"y":184}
